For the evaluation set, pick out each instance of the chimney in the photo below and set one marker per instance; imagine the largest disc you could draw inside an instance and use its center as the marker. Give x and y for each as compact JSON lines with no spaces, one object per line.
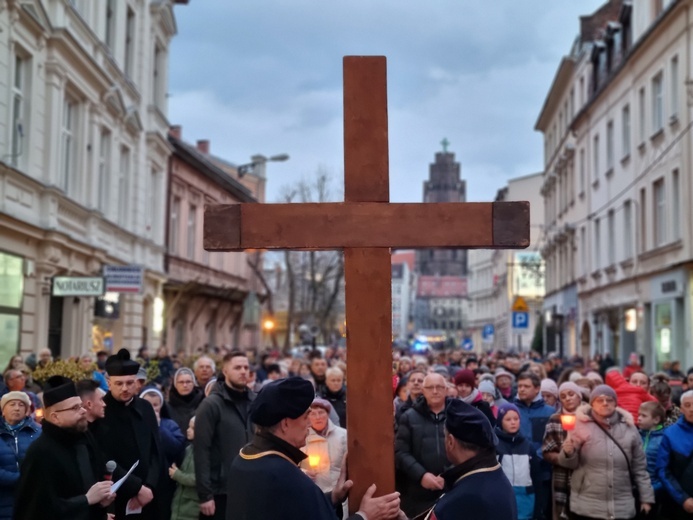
{"x":176,"y":131}
{"x":203,"y":146}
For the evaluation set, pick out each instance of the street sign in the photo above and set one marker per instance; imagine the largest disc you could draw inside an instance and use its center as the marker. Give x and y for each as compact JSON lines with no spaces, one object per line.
{"x":77,"y":286}
{"x":520,"y":305}
{"x":467,"y":344}
{"x":124,"y":278}
{"x":520,"y":320}
{"x":487,"y":333}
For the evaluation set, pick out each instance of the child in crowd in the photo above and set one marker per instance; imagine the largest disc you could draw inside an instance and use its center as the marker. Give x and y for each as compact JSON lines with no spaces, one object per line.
{"x":186,"y":504}
{"x":488,"y":393}
{"x":651,"y":418}
{"x":515,"y":455}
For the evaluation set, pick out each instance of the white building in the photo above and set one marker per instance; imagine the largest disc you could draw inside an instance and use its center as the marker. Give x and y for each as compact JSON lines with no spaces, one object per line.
{"x":83,"y":160}
{"x":627,"y":146}
{"x":498,"y":278}
{"x":401,"y":300}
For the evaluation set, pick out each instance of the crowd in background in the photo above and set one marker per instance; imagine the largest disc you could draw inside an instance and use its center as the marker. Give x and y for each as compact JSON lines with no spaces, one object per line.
{"x":628,"y":451}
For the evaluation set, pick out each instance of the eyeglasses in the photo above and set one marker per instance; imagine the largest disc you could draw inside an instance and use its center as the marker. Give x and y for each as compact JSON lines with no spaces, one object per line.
{"x":605,"y":400}
{"x":74,"y":408}
{"x":436,"y":388}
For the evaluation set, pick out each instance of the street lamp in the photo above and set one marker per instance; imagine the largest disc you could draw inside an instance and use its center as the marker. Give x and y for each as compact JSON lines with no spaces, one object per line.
{"x":258,"y":162}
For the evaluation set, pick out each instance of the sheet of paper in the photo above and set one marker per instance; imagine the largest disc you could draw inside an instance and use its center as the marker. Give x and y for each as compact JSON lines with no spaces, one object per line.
{"x":130,"y":509}
{"x":116,"y":485}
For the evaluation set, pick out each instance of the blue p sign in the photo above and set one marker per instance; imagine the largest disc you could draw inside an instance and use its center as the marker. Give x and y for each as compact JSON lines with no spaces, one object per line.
{"x":520,"y":320}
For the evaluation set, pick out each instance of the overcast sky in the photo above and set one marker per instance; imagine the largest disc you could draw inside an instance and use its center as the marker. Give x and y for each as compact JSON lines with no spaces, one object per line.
{"x":265,"y":76}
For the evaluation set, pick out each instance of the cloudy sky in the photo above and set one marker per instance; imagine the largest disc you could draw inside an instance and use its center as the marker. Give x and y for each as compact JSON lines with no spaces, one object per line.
{"x":265,"y":76}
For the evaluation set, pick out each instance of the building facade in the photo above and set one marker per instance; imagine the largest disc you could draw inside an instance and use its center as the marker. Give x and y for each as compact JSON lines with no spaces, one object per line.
{"x":83,"y":159}
{"x":631,"y":141}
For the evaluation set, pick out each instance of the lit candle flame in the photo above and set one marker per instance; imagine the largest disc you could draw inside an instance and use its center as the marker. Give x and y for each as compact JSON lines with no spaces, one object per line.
{"x":313,"y":460}
{"x":568,"y":422}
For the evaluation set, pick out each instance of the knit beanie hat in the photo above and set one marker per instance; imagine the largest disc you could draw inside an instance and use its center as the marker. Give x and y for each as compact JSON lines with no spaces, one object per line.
{"x":549,"y":385}
{"x":504,"y":409}
{"x":602,"y":390}
{"x":487,"y":387}
{"x":152,"y":390}
{"x":15,"y":396}
{"x":594,"y":376}
{"x":569,"y":385}
{"x":465,"y":377}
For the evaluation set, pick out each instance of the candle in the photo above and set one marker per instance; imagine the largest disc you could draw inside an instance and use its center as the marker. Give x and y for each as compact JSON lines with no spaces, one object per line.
{"x":313,"y":460}
{"x":568,"y":422}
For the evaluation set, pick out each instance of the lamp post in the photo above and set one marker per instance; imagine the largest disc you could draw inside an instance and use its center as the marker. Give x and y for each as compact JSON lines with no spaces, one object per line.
{"x":257,"y":166}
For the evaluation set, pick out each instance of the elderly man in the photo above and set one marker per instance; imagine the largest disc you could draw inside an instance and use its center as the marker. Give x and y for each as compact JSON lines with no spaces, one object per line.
{"x":476,"y":486}
{"x":222,"y":428}
{"x":62,"y":474}
{"x":16,"y":382}
{"x":675,"y":463}
{"x":204,"y":368}
{"x":128,"y":433}
{"x":265,"y":481}
{"x":419,"y":452}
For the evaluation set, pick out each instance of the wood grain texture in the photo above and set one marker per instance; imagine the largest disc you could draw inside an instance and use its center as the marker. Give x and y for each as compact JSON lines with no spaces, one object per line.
{"x":369,"y":392}
{"x":511,"y":224}
{"x":222,"y":227}
{"x":366,"y":176}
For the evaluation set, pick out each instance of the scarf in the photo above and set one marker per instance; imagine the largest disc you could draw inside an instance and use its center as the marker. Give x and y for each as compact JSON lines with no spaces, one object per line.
{"x":471,"y":397}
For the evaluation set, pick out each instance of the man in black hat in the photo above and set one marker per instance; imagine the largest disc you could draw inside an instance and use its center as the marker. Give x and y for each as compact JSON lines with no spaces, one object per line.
{"x":265,"y":480}
{"x":129,"y":433}
{"x":476,"y":484}
{"x":62,"y":474}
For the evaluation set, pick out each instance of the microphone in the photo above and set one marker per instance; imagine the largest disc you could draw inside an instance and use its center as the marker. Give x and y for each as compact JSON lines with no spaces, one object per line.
{"x":110,"y":468}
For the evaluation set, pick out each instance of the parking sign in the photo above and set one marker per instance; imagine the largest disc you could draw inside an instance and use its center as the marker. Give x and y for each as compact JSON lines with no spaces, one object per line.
{"x":520,"y":320}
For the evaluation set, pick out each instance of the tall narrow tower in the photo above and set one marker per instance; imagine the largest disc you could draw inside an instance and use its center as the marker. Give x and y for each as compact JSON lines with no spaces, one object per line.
{"x":443,"y":185}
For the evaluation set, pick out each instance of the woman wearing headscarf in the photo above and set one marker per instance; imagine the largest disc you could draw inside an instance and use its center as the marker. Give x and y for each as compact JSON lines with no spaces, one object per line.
{"x":606,"y":455}
{"x":184,"y":397}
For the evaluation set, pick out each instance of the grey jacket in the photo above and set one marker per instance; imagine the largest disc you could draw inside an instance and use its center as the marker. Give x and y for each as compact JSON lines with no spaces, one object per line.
{"x":600,"y":486}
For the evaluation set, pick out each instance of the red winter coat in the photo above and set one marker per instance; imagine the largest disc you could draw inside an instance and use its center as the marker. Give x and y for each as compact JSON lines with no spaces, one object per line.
{"x":630,"y":397}
{"x":629,"y":370}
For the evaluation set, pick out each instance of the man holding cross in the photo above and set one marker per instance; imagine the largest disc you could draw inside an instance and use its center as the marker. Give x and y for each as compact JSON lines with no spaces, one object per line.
{"x":366,"y":226}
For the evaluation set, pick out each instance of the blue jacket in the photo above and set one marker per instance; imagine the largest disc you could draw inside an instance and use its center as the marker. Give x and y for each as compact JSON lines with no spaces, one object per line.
{"x":515,"y":455}
{"x":533,"y":419}
{"x":651,"y":440}
{"x":172,"y":441}
{"x":13,"y":446}
{"x":675,"y":460}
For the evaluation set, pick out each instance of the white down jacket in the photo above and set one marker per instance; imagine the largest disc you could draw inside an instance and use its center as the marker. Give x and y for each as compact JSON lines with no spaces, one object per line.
{"x":601,"y":486}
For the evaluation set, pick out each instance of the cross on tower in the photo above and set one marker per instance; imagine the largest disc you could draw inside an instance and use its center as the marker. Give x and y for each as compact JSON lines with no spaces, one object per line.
{"x":445,"y":144}
{"x":366,"y":226}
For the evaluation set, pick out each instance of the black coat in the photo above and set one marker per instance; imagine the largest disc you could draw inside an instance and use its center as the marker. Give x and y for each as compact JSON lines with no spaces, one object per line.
{"x":126,"y":434}
{"x":338,"y":402}
{"x":222,"y":428}
{"x":58,"y":470}
{"x":182,"y":408}
{"x":419,"y":448}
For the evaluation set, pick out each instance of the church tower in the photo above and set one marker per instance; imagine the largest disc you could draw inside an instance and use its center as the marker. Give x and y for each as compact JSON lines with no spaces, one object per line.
{"x":443,"y":185}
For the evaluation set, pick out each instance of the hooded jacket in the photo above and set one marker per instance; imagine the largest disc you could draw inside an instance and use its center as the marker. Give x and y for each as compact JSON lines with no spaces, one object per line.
{"x":630,"y":397}
{"x":601,"y":485}
{"x":675,"y":460}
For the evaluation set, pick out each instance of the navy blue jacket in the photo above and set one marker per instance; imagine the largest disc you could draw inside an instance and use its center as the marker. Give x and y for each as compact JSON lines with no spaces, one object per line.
{"x":533,"y":419}
{"x":675,"y":460}
{"x":13,"y":446}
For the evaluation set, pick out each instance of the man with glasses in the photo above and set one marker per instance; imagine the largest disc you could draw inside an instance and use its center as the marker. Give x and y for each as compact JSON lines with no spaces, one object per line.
{"x":415,"y":390}
{"x":62,"y":474}
{"x":420,"y":447}
{"x":129,"y":433}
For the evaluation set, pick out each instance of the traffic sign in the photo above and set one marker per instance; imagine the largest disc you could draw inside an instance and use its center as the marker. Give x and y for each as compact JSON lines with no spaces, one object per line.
{"x":520,"y":305}
{"x":467,"y":344}
{"x":487,"y":332}
{"x":520,"y":320}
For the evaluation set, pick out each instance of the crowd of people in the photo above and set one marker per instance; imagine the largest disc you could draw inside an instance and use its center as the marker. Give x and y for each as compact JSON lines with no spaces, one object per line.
{"x":539,"y":438}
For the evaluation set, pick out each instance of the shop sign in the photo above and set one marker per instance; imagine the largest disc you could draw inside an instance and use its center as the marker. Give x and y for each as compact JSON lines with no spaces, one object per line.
{"x":77,"y":286}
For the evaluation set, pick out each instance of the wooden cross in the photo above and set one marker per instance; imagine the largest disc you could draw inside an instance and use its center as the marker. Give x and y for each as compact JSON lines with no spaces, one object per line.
{"x":366,"y":226}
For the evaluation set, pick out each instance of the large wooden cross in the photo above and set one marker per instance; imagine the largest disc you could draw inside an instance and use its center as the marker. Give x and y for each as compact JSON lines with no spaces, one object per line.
{"x":366,"y":226}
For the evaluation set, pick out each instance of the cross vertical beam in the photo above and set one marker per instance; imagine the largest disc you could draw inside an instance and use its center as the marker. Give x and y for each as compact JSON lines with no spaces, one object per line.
{"x":367,"y":275}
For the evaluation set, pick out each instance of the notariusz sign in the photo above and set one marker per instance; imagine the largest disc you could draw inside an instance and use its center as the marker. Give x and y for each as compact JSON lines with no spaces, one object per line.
{"x":78,"y":286}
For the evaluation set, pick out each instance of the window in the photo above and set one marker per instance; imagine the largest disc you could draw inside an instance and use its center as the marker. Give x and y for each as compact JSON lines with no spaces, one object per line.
{"x":159,"y":85}
{"x":627,"y":229}
{"x":110,"y":23}
{"x":130,"y":43}
{"x":67,"y":145}
{"x":641,"y":107}
{"x":123,"y":181}
{"x":643,"y":220}
{"x":572,"y":103}
{"x":582,"y":171}
{"x":595,"y":159}
{"x":153,"y":204}
{"x":611,"y":233}
{"x":674,"y":87}
{"x":657,"y":103}
{"x":676,"y":204}
{"x":192,"y":225}
{"x":660,"y":215}
{"x":610,"y":146}
{"x":625,"y":130}
{"x":583,"y":249}
{"x":597,"y":245}
{"x":20,"y":97}
{"x":174,"y":225}
{"x":582,"y":91}
{"x":104,"y":171}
